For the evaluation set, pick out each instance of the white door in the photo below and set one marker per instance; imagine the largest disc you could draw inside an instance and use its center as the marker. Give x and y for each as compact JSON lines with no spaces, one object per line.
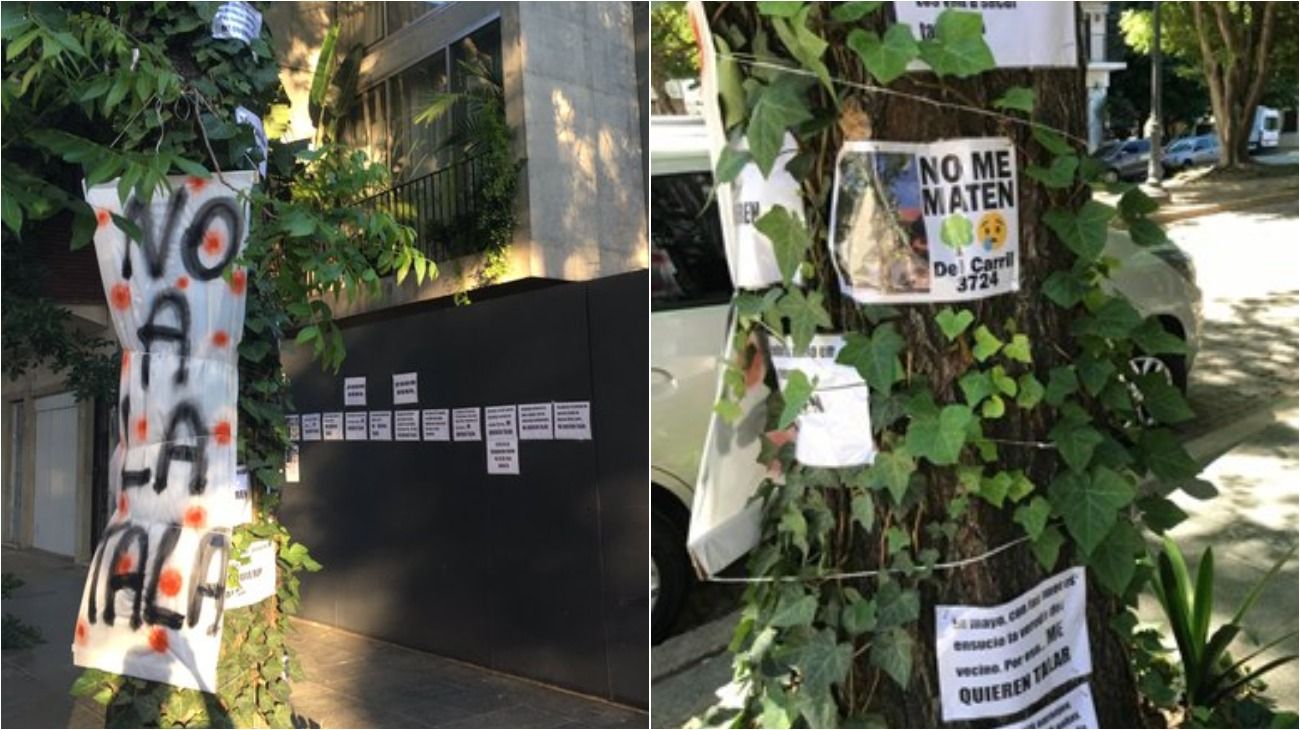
{"x":56,"y":474}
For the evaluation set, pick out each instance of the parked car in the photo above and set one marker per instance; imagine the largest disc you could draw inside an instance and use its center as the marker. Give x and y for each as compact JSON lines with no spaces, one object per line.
{"x":690,"y":301}
{"x":1128,"y":161}
{"x":1266,"y":131}
{"x":1191,"y":152}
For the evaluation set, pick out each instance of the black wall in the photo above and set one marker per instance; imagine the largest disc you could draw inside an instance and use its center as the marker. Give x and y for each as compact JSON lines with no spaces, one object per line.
{"x":543,"y":574}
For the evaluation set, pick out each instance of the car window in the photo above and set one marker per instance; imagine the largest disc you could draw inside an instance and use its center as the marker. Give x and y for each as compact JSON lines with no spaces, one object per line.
{"x":1270,"y":124}
{"x":688,"y":261}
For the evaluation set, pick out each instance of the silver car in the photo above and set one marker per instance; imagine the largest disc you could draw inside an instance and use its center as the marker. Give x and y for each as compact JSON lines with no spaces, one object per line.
{"x":691,"y":291}
{"x":1192,"y":152}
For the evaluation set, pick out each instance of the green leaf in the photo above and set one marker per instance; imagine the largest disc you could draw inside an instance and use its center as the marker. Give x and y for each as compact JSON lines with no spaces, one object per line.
{"x":940,"y":439}
{"x":779,"y":9}
{"x":892,"y":470}
{"x":958,"y":47}
{"x":885,"y":59}
{"x":952,"y":324}
{"x":1162,"y":400}
{"x":1094,"y":372}
{"x":1090,"y":506}
{"x":804,"y":44}
{"x":1075,"y":442}
{"x":891,"y":651}
{"x":851,"y":11}
{"x":1031,"y":391}
{"x":1061,"y":382}
{"x":298,"y":223}
{"x":986,"y":344}
{"x":858,"y":616}
{"x":875,"y":357}
{"x":1047,"y":548}
{"x":823,"y":662}
{"x":994,"y":407}
{"x":976,"y":386}
{"x":1154,"y":339}
{"x":805,"y":314}
{"x":728,"y":410}
{"x":1160,"y":514}
{"x":1019,"y":98}
{"x":1115,"y":559}
{"x":896,"y":606}
{"x":730,"y":89}
{"x":730,"y":163}
{"x":1135,"y":203}
{"x":1147,"y":233}
{"x":896,"y":539}
{"x":1033,"y":516}
{"x":994,"y":489}
{"x":864,"y":510}
{"x":795,"y":396}
{"x":1018,"y":350}
{"x":1114,"y":319}
{"x":324,"y":67}
{"x":795,"y":612}
{"x":1165,"y":456}
{"x":956,"y":231}
{"x":1083,"y":232}
{"x":1059,"y":175}
{"x":1051,"y":140}
{"x":789,"y":237}
{"x":1020,"y":488}
{"x":307,"y":334}
{"x":1004,"y":383}
{"x":1065,"y":288}
{"x":780,"y":106}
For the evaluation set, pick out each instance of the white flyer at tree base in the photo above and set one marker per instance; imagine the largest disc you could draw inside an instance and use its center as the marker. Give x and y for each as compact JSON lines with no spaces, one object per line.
{"x":1019,"y":34}
{"x":926,"y":222}
{"x":834,"y":429}
{"x":1074,"y":709}
{"x":256,"y":576}
{"x":1000,"y":660}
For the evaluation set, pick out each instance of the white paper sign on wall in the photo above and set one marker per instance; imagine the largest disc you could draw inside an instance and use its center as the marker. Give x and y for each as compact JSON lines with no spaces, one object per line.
{"x":355,"y":428}
{"x":1074,"y":709}
{"x":500,"y":421}
{"x":535,"y":421}
{"x":465,"y":424}
{"x":295,"y":427}
{"x":311,"y":430}
{"x":292,"y":464}
{"x":256,"y":576}
{"x":436,"y":425}
{"x":999,"y":660}
{"x":1033,"y":34}
{"x":835,"y":427}
{"x":406,"y":425}
{"x":332,"y":425}
{"x":406,"y":388}
{"x":354,"y":391}
{"x":381,"y":425}
{"x":573,"y":420}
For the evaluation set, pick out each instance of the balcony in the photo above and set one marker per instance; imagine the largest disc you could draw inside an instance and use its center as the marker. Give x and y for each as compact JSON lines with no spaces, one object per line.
{"x":443,"y":207}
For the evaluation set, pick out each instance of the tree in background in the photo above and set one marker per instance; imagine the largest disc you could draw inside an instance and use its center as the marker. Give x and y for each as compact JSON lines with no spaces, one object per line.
{"x":673,"y":47}
{"x":1244,"y":54}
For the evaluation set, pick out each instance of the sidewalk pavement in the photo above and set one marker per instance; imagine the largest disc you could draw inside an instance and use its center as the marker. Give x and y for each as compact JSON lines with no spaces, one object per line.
{"x":1254,"y":463}
{"x":352,"y":681}
{"x":1192,"y":197}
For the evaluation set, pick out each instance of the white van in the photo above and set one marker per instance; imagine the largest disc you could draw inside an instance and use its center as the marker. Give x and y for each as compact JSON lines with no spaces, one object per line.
{"x":1267,"y":129}
{"x":690,"y":299}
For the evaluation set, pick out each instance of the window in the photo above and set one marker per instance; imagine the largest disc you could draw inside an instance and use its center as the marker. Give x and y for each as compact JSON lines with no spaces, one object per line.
{"x":1270,"y":124}
{"x":688,"y":261}
{"x":414,"y":147}
{"x":366,"y":23}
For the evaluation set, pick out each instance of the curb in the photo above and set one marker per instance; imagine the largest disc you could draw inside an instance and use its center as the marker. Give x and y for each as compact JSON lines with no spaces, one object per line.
{"x":1211,"y":208}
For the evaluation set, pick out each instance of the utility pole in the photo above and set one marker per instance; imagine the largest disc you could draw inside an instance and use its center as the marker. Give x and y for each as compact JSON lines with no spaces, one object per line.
{"x":1155,"y":170}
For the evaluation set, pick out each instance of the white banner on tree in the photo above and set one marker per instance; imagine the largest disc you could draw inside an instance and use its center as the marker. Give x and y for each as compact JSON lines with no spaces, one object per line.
{"x":1074,"y":709}
{"x":926,"y":222}
{"x":155,"y":595}
{"x":1000,"y":660}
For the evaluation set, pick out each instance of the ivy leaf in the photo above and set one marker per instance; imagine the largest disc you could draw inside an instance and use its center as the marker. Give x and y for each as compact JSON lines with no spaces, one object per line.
{"x":298,"y":223}
{"x":778,"y":108}
{"x":1051,"y":140}
{"x":1135,"y":204}
{"x":1059,"y":175}
{"x":1147,"y":233}
{"x":1114,"y":561}
{"x":896,"y":606}
{"x":994,"y":489}
{"x":805,"y":314}
{"x":1047,"y":548}
{"x":956,"y":231}
{"x":952,"y":324}
{"x":939,"y":439}
{"x":1090,"y":506}
{"x":805,"y":45}
{"x":1165,"y":456}
{"x":849,"y":12}
{"x":779,"y":9}
{"x":1031,"y":391}
{"x":1061,"y":382}
{"x":1020,"y":486}
{"x":1065,"y":288}
{"x":1160,"y":514}
{"x":822,"y":662}
{"x":730,"y":163}
{"x":789,"y":237}
{"x":1154,"y":339}
{"x":864,"y":510}
{"x":858,"y":616}
{"x":1033,"y":516}
{"x":1019,"y":98}
{"x":1018,"y":350}
{"x":986,"y":344}
{"x":1113,"y":320}
{"x":1075,"y":442}
{"x":728,"y":410}
{"x":1084,"y":232}
{"x":795,"y":611}
{"x":1004,"y":383}
{"x":891,"y":651}
{"x":1162,"y":400}
{"x":793,"y":522}
{"x":976,"y":386}
{"x":875,"y":357}
{"x":958,"y":47}
{"x":993,"y":408}
{"x":886,"y":59}
{"x":892,"y":470}
{"x":896,"y":539}
{"x":796,"y":394}
{"x":1094,"y":373}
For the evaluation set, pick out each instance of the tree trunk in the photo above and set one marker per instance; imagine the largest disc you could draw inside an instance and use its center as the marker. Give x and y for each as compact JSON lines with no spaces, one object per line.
{"x":1061,"y":102}
{"x":1234,"y":58}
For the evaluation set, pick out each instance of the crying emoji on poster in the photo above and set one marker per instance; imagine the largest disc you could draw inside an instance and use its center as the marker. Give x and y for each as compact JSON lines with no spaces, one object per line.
{"x":991,"y":231}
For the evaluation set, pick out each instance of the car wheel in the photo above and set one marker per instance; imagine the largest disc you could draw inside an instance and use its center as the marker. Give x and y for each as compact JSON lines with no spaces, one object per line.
{"x":670,"y":569}
{"x":1111,"y":175}
{"x":1168,"y":366}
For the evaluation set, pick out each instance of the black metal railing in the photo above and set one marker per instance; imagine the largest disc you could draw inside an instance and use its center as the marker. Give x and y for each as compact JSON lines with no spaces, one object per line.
{"x":442,"y":207}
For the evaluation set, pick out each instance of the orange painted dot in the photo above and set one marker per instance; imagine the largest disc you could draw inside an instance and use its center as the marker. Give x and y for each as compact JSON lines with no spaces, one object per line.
{"x":121,"y":505}
{"x":238,"y":281}
{"x":221,"y":432}
{"x":120,"y":296}
{"x":196,"y":517}
{"x":220,"y":338}
{"x":183,"y":282}
{"x":212,"y":243}
{"x":82,"y":630}
{"x":196,"y":184}
{"x":142,"y":429}
{"x":158,"y":639}
{"x":124,"y":565}
{"x":102,"y":217}
{"x":170,"y":582}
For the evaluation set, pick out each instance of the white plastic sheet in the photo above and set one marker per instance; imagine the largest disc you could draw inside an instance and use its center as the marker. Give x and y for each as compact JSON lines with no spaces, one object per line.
{"x":834,"y":429}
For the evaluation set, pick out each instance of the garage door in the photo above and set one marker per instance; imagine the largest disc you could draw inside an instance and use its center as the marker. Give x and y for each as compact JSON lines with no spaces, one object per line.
{"x":56,"y":474}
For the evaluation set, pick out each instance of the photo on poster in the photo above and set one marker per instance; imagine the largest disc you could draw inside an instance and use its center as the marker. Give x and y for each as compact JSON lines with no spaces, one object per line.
{"x":930,"y":222}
